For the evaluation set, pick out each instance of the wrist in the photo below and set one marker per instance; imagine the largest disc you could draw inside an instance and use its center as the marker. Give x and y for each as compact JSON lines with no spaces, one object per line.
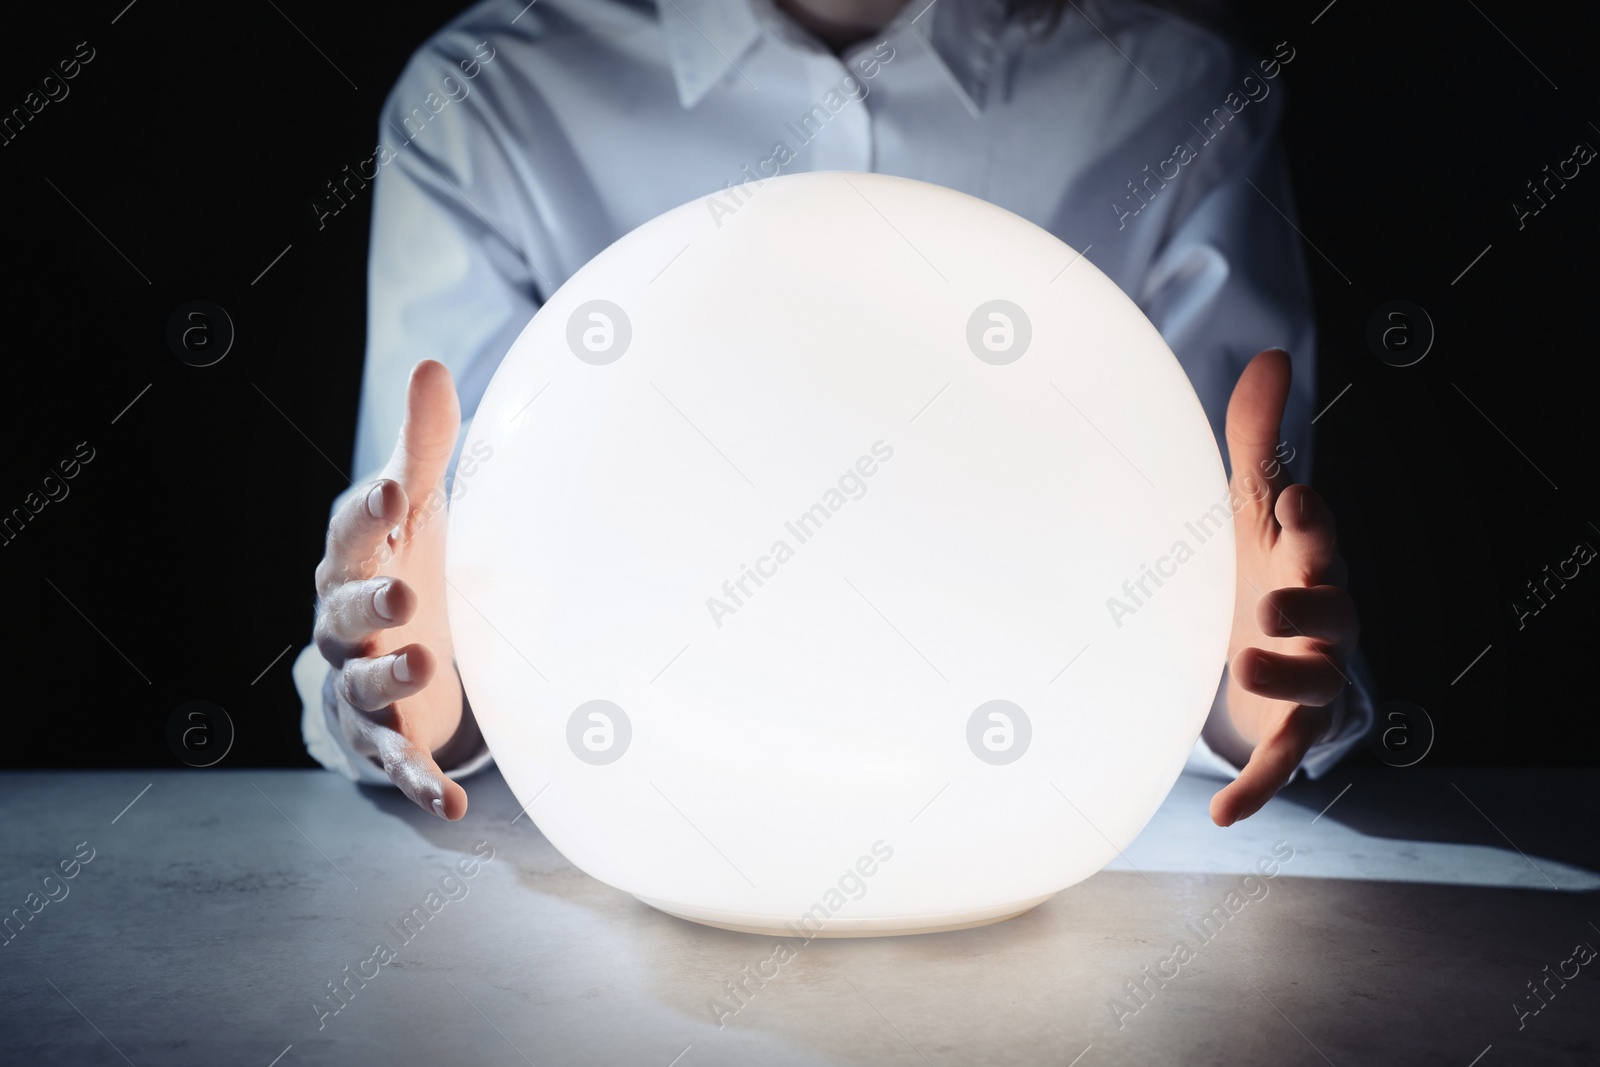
{"x":467,"y":740}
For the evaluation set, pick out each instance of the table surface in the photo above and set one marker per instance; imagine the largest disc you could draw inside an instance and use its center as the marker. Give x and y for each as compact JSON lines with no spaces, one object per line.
{"x":218,"y":905}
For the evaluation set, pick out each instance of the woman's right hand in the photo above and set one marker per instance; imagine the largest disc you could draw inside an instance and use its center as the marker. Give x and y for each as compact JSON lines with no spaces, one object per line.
{"x":381,"y":619}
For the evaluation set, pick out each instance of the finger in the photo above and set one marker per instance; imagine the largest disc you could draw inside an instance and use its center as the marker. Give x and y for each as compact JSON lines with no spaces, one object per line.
{"x":1271,"y":765}
{"x":355,"y":612}
{"x":1255,"y":414}
{"x":409,"y":766}
{"x":1311,"y":679}
{"x":1308,"y":539}
{"x":412,"y":768}
{"x":1321,"y":612}
{"x":358,"y":533}
{"x":428,"y":434}
{"x":372,"y":684}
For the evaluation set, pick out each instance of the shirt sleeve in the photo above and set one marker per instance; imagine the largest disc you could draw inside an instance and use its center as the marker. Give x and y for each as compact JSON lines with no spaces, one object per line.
{"x":445,"y":281}
{"x":1228,"y":280}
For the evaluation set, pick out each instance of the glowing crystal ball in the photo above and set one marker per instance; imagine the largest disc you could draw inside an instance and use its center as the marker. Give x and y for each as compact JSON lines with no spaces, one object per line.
{"x":855,"y":561}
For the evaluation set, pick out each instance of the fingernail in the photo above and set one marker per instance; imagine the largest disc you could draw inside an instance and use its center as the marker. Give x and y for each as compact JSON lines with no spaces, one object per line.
{"x":438,"y":808}
{"x":402,"y":669}
{"x":380,"y":602}
{"x":1305,"y":507}
{"x":1263,"y":672}
{"x":375,"y":501}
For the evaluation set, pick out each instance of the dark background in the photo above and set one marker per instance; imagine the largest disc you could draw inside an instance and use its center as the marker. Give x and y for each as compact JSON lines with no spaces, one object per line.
{"x":180,"y":563}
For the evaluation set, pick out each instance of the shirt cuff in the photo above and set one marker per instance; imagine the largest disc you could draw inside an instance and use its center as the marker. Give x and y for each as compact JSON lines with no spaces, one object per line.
{"x":1358,"y":718}
{"x":326,"y":742}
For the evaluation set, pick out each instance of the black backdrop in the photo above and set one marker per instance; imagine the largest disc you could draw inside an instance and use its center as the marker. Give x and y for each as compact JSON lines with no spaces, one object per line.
{"x":181,"y":164}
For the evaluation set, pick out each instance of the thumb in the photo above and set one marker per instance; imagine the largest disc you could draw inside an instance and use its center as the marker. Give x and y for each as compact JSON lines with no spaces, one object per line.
{"x":428,"y":434}
{"x":1255,"y":417}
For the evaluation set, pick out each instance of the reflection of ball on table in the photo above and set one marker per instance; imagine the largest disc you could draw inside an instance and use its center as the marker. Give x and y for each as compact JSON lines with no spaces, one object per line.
{"x":860,"y":561}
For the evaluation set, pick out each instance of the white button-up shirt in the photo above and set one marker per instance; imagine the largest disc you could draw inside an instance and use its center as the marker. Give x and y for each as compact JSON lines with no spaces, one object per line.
{"x":524,"y":138}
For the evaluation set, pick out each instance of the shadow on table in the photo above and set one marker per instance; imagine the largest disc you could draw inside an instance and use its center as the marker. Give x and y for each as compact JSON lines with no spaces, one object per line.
{"x":450,"y":837}
{"x":1535,"y":812}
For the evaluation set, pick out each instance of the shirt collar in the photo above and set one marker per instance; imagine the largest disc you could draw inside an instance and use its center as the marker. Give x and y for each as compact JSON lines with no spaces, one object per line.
{"x":708,"y":40}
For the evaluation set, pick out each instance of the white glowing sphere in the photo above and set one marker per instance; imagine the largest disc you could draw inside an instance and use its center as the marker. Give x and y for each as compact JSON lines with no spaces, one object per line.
{"x":858,"y":559}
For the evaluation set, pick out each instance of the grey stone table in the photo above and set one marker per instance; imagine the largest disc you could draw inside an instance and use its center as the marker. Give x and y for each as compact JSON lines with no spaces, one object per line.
{"x":215,"y":908}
